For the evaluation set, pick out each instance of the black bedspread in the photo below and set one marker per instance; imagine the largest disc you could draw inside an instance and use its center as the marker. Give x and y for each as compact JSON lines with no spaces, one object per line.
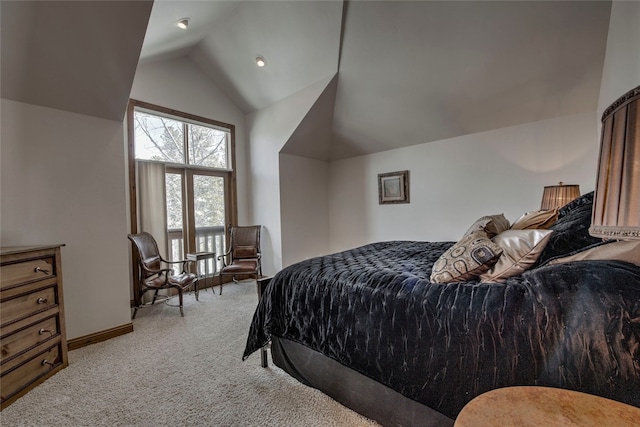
{"x":574,"y":326}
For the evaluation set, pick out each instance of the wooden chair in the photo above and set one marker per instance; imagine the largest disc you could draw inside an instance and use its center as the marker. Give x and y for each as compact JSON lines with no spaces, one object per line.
{"x":151,"y":275}
{"x":243,"y":256}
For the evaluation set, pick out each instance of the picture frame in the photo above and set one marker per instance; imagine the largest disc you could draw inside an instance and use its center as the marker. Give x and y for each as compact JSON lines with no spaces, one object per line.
{"x":393,"y":187}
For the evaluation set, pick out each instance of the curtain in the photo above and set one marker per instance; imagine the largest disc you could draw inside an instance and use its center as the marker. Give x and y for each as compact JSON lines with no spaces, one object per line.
{"x":152,"y":216}
{"x":151,"y":202}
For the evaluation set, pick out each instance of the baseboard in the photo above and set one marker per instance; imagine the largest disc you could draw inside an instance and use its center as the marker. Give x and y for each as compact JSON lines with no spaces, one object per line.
{"x":97,"y":337}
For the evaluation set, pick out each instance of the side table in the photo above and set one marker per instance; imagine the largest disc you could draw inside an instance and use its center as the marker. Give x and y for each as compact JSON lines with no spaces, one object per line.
{"x":197,"y":257}
{"x":524,"y":406}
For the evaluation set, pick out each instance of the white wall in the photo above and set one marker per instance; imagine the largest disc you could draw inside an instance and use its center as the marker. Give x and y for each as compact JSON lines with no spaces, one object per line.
{"x":304,"y":208}
{"x":268,"y":130}
{"x":621,"y":71}
{"x":180,"y":85}
{"x":455,"y":181}
{"x":62,"y":181}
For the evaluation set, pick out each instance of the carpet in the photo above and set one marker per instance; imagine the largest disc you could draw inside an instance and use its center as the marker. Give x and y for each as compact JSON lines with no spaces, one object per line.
{"x":179,"y":371}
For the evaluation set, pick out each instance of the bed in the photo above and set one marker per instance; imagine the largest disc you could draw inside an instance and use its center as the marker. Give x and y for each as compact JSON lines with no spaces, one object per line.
{"x":368,"y":326}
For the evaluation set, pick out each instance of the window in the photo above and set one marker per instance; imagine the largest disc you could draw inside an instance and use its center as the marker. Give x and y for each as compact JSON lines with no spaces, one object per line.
{"x":167,"y":140}
{"x":181,"y":179}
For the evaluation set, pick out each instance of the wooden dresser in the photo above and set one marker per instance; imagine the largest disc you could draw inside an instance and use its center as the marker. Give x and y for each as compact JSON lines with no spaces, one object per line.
{"x":32,"y":333}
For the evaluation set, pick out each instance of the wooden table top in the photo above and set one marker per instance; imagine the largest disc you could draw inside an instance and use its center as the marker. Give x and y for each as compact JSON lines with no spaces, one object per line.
{"x":545,"y":406}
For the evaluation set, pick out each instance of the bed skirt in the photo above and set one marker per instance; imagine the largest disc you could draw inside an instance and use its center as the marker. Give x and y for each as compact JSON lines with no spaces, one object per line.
{"x":352,"y":389}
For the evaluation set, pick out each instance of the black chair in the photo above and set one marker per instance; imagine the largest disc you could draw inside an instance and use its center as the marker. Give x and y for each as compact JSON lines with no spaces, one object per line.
{"x":151,"y":275}
{"x":243,"y":256}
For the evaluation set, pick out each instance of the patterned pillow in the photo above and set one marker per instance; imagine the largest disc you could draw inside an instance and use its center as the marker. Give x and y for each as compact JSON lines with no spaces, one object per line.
{"x":473,"y":255}
{"x":538,"y":220}
{"x":521,"y":249}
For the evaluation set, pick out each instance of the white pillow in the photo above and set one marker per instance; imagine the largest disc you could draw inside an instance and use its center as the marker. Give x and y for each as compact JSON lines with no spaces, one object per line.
{"x":520,"y":250}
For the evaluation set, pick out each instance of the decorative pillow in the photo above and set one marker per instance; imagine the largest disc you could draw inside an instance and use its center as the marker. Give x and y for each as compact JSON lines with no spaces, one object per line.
{"x":538,"y":220}
{"x":628,"y":251}
{"x":521,"y":249}
{"x":491,"y":224}
{"x":571,"y":231}
{"x":585,"y":199}
{"x":471,"y":256}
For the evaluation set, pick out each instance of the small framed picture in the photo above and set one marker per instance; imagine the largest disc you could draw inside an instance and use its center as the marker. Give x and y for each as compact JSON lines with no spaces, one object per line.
{"x":393,"y":187}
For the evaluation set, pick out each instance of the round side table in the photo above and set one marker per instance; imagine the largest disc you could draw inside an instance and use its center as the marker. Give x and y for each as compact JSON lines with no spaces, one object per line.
{"x":545,"y":406}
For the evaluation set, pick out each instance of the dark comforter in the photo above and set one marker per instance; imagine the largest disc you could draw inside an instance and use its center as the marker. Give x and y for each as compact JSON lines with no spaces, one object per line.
{"x":373,"y":309}
{"x":574,"y":325}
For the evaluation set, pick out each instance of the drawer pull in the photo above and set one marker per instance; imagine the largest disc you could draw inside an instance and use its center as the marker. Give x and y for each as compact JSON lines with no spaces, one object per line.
{"x":46,"y":362}
{"x":43,"y":331}
{"x":41,"y":270}
{"x":43,"y":300}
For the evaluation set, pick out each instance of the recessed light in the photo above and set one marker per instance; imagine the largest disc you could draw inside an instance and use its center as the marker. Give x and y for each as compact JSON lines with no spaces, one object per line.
{"x":183,"y":23}
{"x":260,"y":62}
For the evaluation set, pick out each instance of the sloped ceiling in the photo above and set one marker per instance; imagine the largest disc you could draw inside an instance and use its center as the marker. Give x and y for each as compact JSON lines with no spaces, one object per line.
{"x":77,"y":56}
{"x":299,"y":40}
{"x":418,"y":72}
{"x":407,"y":72}
{"x":312,"y":137}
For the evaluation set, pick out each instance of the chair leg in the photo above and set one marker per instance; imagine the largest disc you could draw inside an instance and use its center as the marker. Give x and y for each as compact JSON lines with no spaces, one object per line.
{"x":155,"y":295}
{"x":139,"y":302}
{"x":180,"y":298}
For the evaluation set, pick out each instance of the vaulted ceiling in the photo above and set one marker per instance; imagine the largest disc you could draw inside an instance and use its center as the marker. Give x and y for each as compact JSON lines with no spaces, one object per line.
{"x":407,"y":72}
{"x":402,"y":73}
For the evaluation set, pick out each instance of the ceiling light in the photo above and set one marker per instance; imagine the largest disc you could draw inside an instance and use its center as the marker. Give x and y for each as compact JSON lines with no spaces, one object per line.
{"x":183,"y":23}
{"x":260,"y":62}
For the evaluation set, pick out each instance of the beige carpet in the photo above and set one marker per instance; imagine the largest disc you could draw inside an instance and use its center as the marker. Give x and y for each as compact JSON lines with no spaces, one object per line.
{"x":179,"y":371}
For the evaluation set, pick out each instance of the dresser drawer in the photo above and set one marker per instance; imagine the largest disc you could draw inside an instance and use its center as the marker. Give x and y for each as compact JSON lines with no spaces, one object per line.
{"x":19,"y":341}
{"x":24,"y":375}
{"x":26,"y":271}
{"x":25,"y":305}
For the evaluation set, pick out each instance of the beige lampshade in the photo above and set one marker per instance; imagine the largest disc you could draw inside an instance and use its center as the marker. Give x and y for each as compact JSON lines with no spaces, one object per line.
{"x":616,"y":205}
{"x":556,"y":196}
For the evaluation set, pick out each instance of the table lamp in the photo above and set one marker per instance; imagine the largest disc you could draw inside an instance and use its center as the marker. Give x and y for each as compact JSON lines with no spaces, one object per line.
{"x":556,"y":196}
{"x":616,"y":205}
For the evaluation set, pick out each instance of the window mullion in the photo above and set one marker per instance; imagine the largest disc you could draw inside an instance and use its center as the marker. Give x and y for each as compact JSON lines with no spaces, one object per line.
{"x":185,"y":138}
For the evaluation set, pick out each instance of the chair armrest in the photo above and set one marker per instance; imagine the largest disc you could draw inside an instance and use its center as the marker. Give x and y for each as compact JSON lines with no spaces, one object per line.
{"x":223,"y":257}
{"x":162,"y":270}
